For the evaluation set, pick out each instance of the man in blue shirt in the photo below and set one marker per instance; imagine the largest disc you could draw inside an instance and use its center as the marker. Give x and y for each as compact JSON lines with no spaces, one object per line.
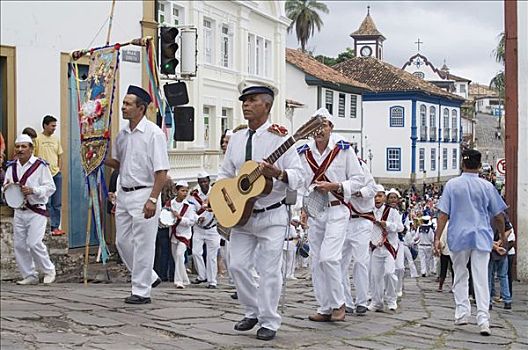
{"x":470,"y":204}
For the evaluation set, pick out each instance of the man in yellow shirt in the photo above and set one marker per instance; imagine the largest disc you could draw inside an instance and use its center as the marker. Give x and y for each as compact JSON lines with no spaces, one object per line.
{"x":48,"y":147}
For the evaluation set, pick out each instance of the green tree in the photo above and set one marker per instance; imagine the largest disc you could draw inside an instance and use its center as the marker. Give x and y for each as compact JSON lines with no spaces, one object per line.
{"x":305,"y":18}
{"x":498,"y":82}
{"x":343,"y":56}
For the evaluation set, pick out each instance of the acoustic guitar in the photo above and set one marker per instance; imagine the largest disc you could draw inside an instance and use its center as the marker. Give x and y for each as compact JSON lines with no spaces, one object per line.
{"x":232,"y":199}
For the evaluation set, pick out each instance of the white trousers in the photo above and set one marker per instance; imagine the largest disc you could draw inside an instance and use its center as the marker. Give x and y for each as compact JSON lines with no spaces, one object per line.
{"x":425,"y":253}
{"x":136,"y":238}
{"x":288,"y":258}
{"x":327,"y":236}
{"x":211,"y":238}
{"x":479,"y":274}
{"x":178,"y":254}
{"x":30,"y":252}
{"x":410,"y":262}
{"x":259,"y":243}
{"x":383,"y":277}
{"x":356,"y":250}
{"x":400,"y":267}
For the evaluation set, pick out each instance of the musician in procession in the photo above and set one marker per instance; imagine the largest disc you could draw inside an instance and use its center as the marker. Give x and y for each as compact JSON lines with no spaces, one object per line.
{"x":356,"y":246}
{"x":393,"y":200}
{"x":32,"y":177}
{"x":332,"y":169}
{"x":140,"y":154}
{"x":204,"y":231}
{"x":262,"y":236}
{"x":383,"y":245}
{"x":425,"y":238}
{"x":180,"y":232}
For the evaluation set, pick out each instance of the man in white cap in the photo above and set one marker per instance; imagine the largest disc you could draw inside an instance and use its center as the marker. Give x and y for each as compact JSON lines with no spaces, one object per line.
{"x":331,"y":167}
{"x":204,"y":233}
{"x":261,"y":238}
{"x":140,"y":155}
{"x":383,"y":245}
{"x":425,"y":239}
{"x":35,"y":181}
{"x":393,"y":200}
{"x":356,"y":247}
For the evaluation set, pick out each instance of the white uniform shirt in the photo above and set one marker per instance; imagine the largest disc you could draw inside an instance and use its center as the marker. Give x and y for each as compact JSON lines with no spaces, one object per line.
{"x":345,"y":167}
{"x":208,"y":217}
{"x":189,"y":218}
{"x":427,"y":236}
{"x":40,"y":181}
{"x":394,"y":225}
{"x":365,"y":203}
{"x":141,"y":153}
{"x":264,"y":143}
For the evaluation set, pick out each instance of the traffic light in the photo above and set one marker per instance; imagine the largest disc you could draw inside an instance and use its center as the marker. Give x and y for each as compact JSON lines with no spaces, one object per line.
{"x":168,"y":48}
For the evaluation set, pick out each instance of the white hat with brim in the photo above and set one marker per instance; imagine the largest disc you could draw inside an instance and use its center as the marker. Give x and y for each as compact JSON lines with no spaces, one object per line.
{"x":23,"y":138}
{"x":426,"y":218}
{"x":323,"y":112}
{"x":202,"y":175}
{"x":392,"y":190}
{"x":182,"y":183}
{"x":380,"y":188}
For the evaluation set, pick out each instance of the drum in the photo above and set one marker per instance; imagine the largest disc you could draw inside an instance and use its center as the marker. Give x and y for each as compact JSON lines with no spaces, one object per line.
{"x":167,"y":218}
{"x":13,"y":196}
{"x":315,"y":203}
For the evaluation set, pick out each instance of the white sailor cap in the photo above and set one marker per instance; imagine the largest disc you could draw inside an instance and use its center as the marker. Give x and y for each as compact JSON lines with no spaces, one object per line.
{"x":202,"y":175}
{"x":380,"y":188}
{"x":229,"y":133}
{"x":426,"y":218}
{"x":252,"y":87}
{"x":23,"y":138}
{"x":182,"y":183}
{"x":323,"y":112}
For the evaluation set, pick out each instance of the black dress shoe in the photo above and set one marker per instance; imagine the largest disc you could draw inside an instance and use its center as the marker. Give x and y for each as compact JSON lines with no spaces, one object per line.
{"x":234,"y":295}
{"x":265,"y":334}
{"x":136,"y":299}
{"x":156,"y":283}
{"x":246,"y":324}
{"x":361,"y":310}
{"x":198,"y":281}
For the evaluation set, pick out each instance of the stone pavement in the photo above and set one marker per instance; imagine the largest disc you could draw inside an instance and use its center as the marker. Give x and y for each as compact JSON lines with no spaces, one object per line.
{"x":486,"y":141}
{"x":72,"y":316}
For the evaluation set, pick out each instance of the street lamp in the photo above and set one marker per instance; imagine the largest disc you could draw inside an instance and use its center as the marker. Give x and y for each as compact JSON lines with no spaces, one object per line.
{"x":370,"y":156}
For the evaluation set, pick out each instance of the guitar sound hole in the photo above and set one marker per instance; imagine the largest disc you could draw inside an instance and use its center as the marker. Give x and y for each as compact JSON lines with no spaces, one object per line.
{"x":244,"y":184}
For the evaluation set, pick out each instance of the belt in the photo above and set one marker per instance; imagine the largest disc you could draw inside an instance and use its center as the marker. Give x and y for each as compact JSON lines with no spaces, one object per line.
{"x":334,"y":203}
{"x":290,"y":239}
{"x":424,"y":245}
{"x":273,"y":206}
{"x":208,"y":227}
{"x":355,"y":216}
{"x":130,"y":189}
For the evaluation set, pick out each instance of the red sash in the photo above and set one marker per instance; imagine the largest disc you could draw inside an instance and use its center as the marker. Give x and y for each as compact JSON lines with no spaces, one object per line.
{"x":319,"y":174}
{"x":385,"y":242}
{"x":23,"y":180}
{"x":173,"y":228}
{"x":196,"y":196}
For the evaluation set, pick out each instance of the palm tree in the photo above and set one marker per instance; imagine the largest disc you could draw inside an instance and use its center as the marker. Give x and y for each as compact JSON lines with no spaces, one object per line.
{"x":305,"y":17}
{"x":498,"y":82}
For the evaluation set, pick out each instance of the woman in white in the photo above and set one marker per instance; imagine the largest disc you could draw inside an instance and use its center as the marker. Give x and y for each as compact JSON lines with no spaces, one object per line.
{"x":180,"y":232}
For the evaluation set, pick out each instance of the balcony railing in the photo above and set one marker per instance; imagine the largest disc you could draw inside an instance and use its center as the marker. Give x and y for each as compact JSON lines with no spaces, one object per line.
{"x":185,"y":165}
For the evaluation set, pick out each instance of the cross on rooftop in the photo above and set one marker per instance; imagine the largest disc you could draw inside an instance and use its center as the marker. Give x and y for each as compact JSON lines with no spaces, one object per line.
{"x":418,"y":43}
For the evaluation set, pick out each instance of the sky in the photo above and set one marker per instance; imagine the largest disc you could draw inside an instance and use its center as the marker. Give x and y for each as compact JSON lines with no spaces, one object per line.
{"x":464,"y":33}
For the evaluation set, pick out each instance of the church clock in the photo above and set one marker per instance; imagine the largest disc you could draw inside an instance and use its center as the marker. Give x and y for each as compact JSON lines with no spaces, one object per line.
{"x":366,"y":51}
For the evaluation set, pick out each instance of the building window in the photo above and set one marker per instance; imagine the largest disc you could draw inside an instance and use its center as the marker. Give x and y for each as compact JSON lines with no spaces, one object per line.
{"x":422,"y":159}
{"x":226,"y":119}
{"x":446,"y":124}
{"x":462,"y":88}
{"x":161,"y":13}
{"x":259,"y":56}
{"x":433,"y":159}
{"x":329,"y":101}
{"x":393,"y":159}
{"x":226,"y":48}
{"x":423,"y":123}
{"x":444,"y":158}
{"x":454,"y":125}
{"x":353,"y":106}
{"x":454,"y":163}
{"x":341,"y":111}
{"x":396,"y":116}
{"x":206,"y":121}
{"x":420,"y":75}
{"x":176,"y":15}
{"x":208,"y":34}
{"x":432,"y":123}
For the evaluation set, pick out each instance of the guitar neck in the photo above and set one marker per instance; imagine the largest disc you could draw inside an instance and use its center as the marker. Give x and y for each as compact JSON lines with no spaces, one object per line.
{"x":281,"y":150}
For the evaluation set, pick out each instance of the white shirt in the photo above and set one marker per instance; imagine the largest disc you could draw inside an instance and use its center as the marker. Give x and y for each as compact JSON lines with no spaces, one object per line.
{"x":264,"y":143}
{"x":365,"y":203}
{"x":189,"y":218}
{"x":345,"y":167}
{"x":511,"y":238}
{"x":425,"y":237}
{"x":208,"y":217}
{"x":394,"y":225}
{"x":40,"y":181}
{"x":141,"y":153}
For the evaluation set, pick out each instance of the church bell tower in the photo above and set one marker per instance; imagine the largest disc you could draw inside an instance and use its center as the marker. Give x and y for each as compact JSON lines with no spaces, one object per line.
{"x":368,"y":41}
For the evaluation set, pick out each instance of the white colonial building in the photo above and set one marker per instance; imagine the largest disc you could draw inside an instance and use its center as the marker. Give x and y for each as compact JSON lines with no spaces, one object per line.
{"x":411,"y":128}
{"x":237,"y":40}
{"x":316,"y":85}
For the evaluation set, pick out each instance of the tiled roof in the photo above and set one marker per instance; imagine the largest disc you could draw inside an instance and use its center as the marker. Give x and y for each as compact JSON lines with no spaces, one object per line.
{"x":367,"y":27}
{"x":383,"y":77}
{"x":311,"y":66}
{"x":477,"y":90}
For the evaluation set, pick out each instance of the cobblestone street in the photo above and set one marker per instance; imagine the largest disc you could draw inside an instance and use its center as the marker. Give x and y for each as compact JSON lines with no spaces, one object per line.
{"x":490,"y":147}
{"x":73,"y":316}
